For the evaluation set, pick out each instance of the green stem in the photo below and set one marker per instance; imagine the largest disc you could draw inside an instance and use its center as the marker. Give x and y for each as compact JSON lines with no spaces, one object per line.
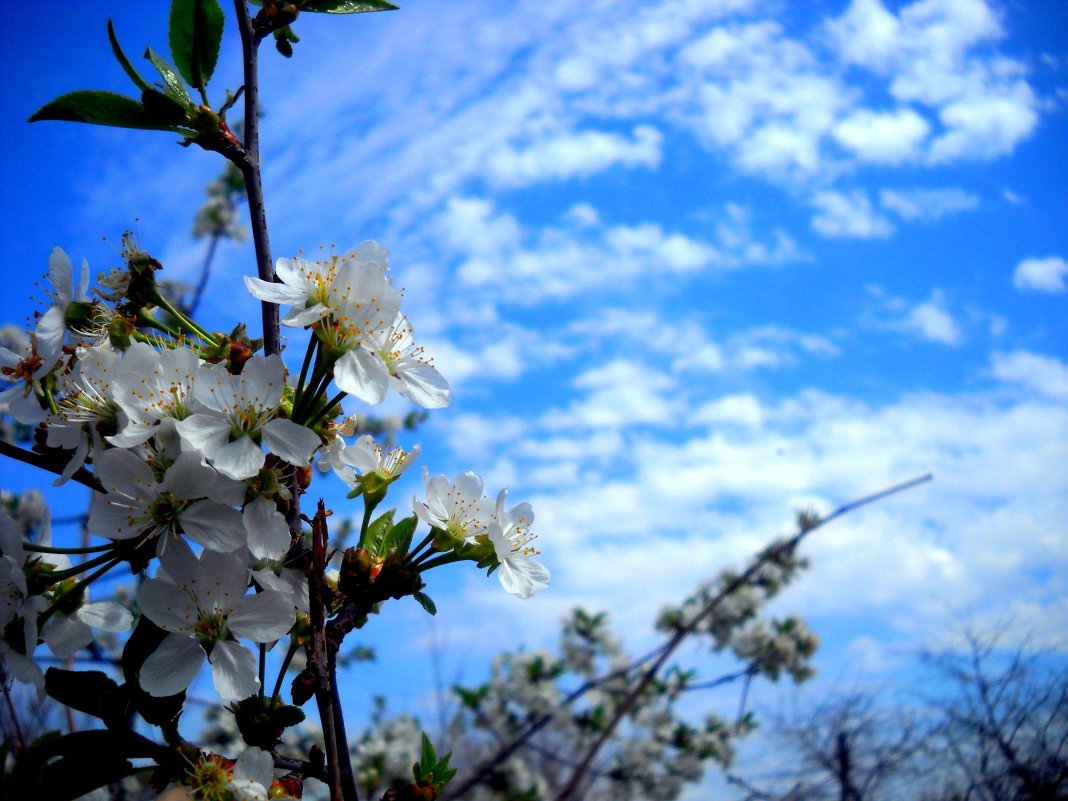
{"x":446,"y":559}
{"x":77,"y":589}
{"x":368,"y":508}
{"x":312,"y":345}
{"x":413,"y":555}
{"x":35,"y":548}
{"x":294,"y":646}
{"x":330,"y":404}
{"x":74,"y":571}
{"x":146,"y":317}
{"x":165,"y":304}
{"x":263,"y":668}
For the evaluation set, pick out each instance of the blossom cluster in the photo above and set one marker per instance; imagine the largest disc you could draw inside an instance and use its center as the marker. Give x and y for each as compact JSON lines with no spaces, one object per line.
{"x":196,"y":446}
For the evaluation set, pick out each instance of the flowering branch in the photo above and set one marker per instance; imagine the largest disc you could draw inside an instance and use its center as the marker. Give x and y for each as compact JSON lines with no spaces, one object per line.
{"x":777,"y":553}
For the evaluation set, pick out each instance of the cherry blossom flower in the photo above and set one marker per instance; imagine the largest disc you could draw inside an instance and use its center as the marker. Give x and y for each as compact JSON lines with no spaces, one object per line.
{"x":87,"y":406}
{"x":253,"y":776}
{"x":65,"y":633}
{"x":314,"y":288}
{"x":458,"y":508}
{"x":24,"y":368}
{"x":203,"y":605}
{"x":153,"y":387}
{"x":268,"y":542}
{"x":362,"y":465}
{"x":191,"y":499}
{"x":241,"y":413}
{"x":509,"y":531}
{"x":407,"y":370}
{"x":52,"y":327}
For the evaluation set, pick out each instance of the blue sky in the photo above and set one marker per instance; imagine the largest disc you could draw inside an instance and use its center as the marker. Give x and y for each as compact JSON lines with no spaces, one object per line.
{"x":688,"y":265}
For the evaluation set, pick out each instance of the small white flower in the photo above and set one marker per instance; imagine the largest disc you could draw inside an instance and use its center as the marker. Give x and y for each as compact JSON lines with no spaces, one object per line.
{"x":241,"y":415}
{"x":509,"y":531}
{"x":253,"y":775}
{"x":192,"y":499}
{"x":407,"y":369}
{"x":363,"y":464}
{"x":151,"y":387}
{"x":52,"y":327}
{"x":268,"y":542}
{"x":66,"y":633}
{"x":458,"y":508}
{"x":203,"y":605}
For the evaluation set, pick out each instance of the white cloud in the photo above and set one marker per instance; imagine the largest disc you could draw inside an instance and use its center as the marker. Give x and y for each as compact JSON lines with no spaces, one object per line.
{"x":882,"y":138}
{"x":1042,"y":374}
{"x":577,"y":154}
{"x":927,"y":204}
{"x":931,"y":321}
{"x":1041,"y":275}
{"x":849,"y":215}
{"x":985,"y":126}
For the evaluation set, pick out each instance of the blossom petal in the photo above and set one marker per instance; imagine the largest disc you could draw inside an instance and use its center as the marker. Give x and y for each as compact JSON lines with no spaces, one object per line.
{"x":522,"y":576}
{"x":213,"y":525}
{"x":290,"y":441}
{"x":204,"y":432}
{"x":172,"y":667}
{"x":268,"y":534}
{"x":61,"y":274}
{"x":106,"y":616}
{"x":65,"y":634}
{"x":133,"y":434}
{"x":362,"y":374}
{"x":233,"y":668}
{"x":274,"y":293}
{"x":189,"y":477}
{"x":263,"y":617}
{"x":167,"y":605}
{"x":239,"y":459}
{"x":423,"y":385}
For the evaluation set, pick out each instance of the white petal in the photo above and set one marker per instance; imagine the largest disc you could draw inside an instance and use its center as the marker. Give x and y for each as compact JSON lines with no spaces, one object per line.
{"x":264,"y":379}
{"x":61,"y":274}
{"x":522,"y":576}
{"x":106,"y":616}
{"x":233,"y":667}
{"x":172,"y":667}
{"x":51,"y":329}
{"x":423,"y":385}
{"x":189,"y":477}
{"x":274,"y":293}
{"x":255,"y":765}
{"x":363,"y":375}
{"x":213,"y":525}
{"x":166,"y":605}
{"x":65,"y":634}
{"x":263,"y":617}
{"x":133,"y":434}
{"x":204,"y":432}
{"x":290,"y":441}
{"x":298,"y":318}
{"x":179,"y":565}
{"x":225,"y":580}
{"x":239,"y":459}
{"x":268,"y":533}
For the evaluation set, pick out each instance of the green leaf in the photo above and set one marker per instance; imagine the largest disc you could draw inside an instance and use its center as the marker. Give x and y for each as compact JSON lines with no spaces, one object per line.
{"x":429,"y":757}
{"x":426,"y":602}
{"x":195,"y":35}
{"x":172,"y":83}
{"x":400,"y":537}
{"x":376,"y":532}
{"x":135,"y":76}
{"x":346,"y":6}
{"x":97,"y":108}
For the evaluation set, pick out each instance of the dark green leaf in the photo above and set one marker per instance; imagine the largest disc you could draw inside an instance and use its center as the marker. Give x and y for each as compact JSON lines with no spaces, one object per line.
{"x":79,"y":689}
{"x":164,"y":109}
{"x":287,"y":715}
{"x":135,"y":76}
{"x":195,"y":35}
{"x":426,"y":602}
{"x":429,"y":757}
{"x":172,"y":83}
{"x":346,"y":6}
{"x":97,"y":108}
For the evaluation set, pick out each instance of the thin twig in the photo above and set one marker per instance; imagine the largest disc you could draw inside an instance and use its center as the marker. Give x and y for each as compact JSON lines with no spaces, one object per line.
{"x":205,"y":273}
{"x":50,"y":463}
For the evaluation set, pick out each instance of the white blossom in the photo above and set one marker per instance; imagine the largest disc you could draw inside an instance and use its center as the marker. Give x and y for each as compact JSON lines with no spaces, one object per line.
{"x":191,"y":499}
{"x":408,"y":370}
{"x":509,"y":531}
{"x":241,"y":413}
{"x":269,"y":541}
{"x":458,"y":508}
{"x":151,"y":387}
{"x":203,"y":605}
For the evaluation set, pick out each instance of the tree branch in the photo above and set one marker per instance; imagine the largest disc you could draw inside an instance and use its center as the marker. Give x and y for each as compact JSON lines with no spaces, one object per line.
{"x":250,"y":169}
